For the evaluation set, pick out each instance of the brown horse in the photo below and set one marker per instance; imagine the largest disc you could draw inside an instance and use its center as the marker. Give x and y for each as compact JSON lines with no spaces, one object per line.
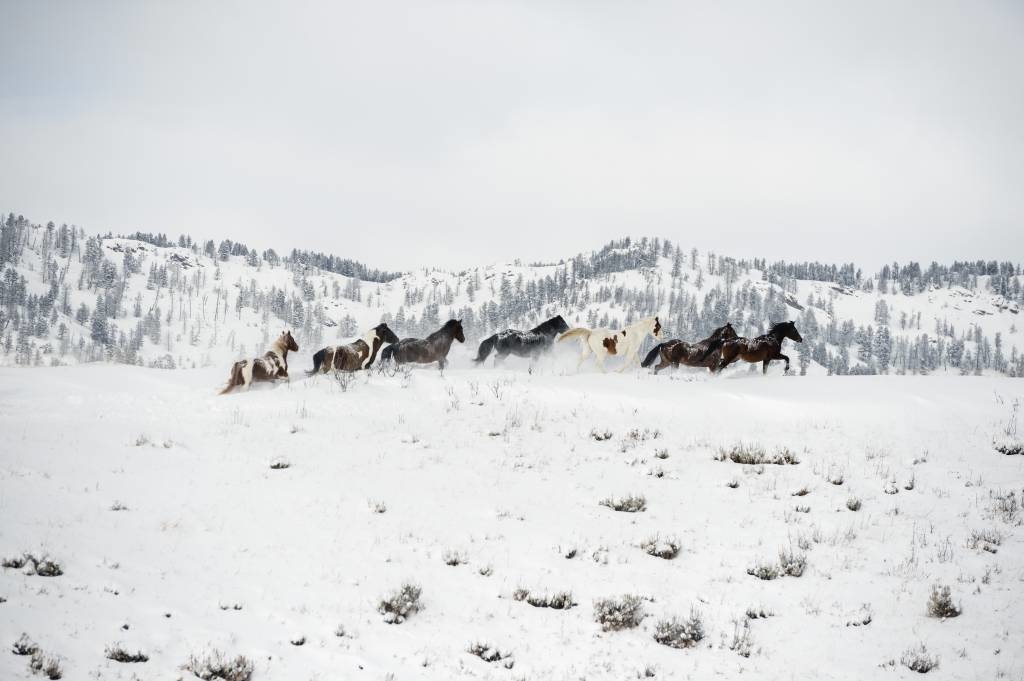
{"x":761,"y":349}
{"x":356,"y":355}
{"x":700,"y":354}
{"x":270,"y":367}
{"x":433,"y":348}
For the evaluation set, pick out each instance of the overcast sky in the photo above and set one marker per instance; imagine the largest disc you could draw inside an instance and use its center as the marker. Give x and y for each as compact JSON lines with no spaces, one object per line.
{"x":453,"y":133}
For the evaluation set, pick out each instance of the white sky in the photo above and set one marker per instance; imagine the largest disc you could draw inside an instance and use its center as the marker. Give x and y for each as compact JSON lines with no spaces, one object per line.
{"x":454,"y":133}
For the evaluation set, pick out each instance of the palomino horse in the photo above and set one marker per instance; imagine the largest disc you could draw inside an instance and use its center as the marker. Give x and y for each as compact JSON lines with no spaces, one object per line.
{"x":605,"y":342}
{"x":700,"y":354}
{"x":357,"y":355}
{"x":433,"y":348}
{"x":269,"y":367}
{"x":522,"y":343}
{"x":761,"y":349}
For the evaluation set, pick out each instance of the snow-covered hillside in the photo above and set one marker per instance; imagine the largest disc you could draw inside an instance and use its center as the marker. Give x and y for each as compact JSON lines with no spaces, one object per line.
{"x":272,"y":524}
{"x":66,"y":297}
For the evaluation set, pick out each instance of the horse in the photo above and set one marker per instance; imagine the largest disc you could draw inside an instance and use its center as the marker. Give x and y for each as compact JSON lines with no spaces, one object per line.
{"x":269,"y":367}
{"x":522,"y":343}
{"x":433,"y":348}
{"x":700,"y":354}
{"x":357,"y":355}
{"x":605,"y":342}
{"x":761,"y":349}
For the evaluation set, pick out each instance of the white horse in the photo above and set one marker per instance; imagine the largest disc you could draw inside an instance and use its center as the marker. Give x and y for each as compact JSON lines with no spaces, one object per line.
{"x":605,"y":342}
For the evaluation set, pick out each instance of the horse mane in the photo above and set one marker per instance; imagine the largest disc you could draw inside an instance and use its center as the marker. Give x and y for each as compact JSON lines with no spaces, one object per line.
{"x":776,"y":327}
{"x":546,"y":325}
{"x":450,"y":324}
{"x":280,"y":346}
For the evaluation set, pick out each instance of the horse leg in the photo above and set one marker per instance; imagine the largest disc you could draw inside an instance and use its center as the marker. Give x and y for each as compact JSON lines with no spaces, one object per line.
{"x":783,"y":357}
{"x":764,"y":366}
{"x":583,"y":355}
{"x":247,"y":371}
{"x":441,"y":363}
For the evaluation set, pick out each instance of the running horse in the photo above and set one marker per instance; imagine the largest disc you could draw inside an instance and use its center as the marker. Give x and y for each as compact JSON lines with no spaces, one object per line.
{"x":433,"y":348}
{"x":359,"y":354}
{"x":700,"y":354}
{"x":270,"y":367}
{"x":604,"y":343}
{"x":762,"y":349}
{"x":522,"y":343}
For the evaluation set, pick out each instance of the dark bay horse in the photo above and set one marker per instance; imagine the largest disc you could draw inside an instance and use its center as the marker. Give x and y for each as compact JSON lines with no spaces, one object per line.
{"x":433,"y":348}
{"x":522,"y":343}
{"x":700,"y":354}
{"x":271,"y":366}
{"x":358,"y":354}
{"x":761,"y":349}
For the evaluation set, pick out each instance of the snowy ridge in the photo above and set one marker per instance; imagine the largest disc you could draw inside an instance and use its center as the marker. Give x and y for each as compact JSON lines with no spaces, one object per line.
{"x":67,"y":297}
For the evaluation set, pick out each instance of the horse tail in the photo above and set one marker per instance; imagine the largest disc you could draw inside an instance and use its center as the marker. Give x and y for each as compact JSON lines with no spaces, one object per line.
{"x":318,"y":360}
{"x":235,"y":378}
{"x":651,"y":356}
{"x":485,"y":348}
{"x":574,"y":333}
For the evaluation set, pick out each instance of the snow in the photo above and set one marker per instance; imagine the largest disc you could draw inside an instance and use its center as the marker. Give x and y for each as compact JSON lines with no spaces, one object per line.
{"x":216,"y":550}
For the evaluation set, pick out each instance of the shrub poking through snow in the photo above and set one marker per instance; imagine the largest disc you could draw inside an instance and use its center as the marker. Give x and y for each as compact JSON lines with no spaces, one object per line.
{"x":627,"y":504}
{"x":486,"y":570}
{"x":118,"y":506}
{"x":802,"y":492}
{"x":46,"y":567}
{"x":757,"y":612}
{"x":765,"y":571}
{"x":1005,"y":506}
{"x":742,"y":644}
{"x":454,"y":558}
{"x":280,"y":464}
{"x":400,"y":604}
{"x":24,"y":646}
{"x":853,"y":503}
{"x":1009,"y":446}
{"x":918,"y":659}
{"x":985,"y":539}
{"x":661,"y":454}
{"x":613,"y":614}
{"x":119,"y":654}
{"x":683,"y":632}
{"x":560,"y":600}
{"x":489,"y":653}
{"x":15,"y":562}
{"x":662,"y":548}
{"x":755,"y":455}
{"x":733,"y":484}
{"x":47,"y":665}
{"x":791,"y":562}
{"x":940,"y":603}
{"x":214,"y":665}
{"x":601,"y":435}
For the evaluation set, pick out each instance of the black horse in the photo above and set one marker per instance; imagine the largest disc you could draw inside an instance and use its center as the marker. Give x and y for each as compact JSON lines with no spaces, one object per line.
{"x":522,"y":343}
{"x":761,"y":349}
{"x":433,"y":348}
{"x":700,"y":354}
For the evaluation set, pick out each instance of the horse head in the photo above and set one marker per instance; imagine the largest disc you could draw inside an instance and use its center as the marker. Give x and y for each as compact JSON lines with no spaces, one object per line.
{"x":385,"y":334}
{"x":792,"y":333}
{"x":289,"y":341}
{"x":728,"y":333}
{"x":559,"y":324}
{"x":457,"y":330}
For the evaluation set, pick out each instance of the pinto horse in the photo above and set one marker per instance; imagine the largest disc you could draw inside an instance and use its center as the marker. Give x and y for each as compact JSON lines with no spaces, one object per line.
{"x":358,"y":354}
{"x":270,"y":367}
{"x":433,"y":348}
{"x":522,"y":343}
{"x":761,"y":349}
{"x":604,"y":342}
{"x":700,"y":354}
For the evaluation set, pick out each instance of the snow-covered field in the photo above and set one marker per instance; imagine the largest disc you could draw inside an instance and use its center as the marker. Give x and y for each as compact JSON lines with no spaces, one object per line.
{"x":390,"y":478}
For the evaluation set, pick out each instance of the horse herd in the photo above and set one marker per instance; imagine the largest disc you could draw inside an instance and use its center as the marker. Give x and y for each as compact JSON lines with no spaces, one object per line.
{"x":717,"y":351}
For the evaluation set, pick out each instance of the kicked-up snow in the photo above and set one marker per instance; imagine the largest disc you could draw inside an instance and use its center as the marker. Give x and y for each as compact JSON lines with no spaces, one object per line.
{"x":272,"y":524}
